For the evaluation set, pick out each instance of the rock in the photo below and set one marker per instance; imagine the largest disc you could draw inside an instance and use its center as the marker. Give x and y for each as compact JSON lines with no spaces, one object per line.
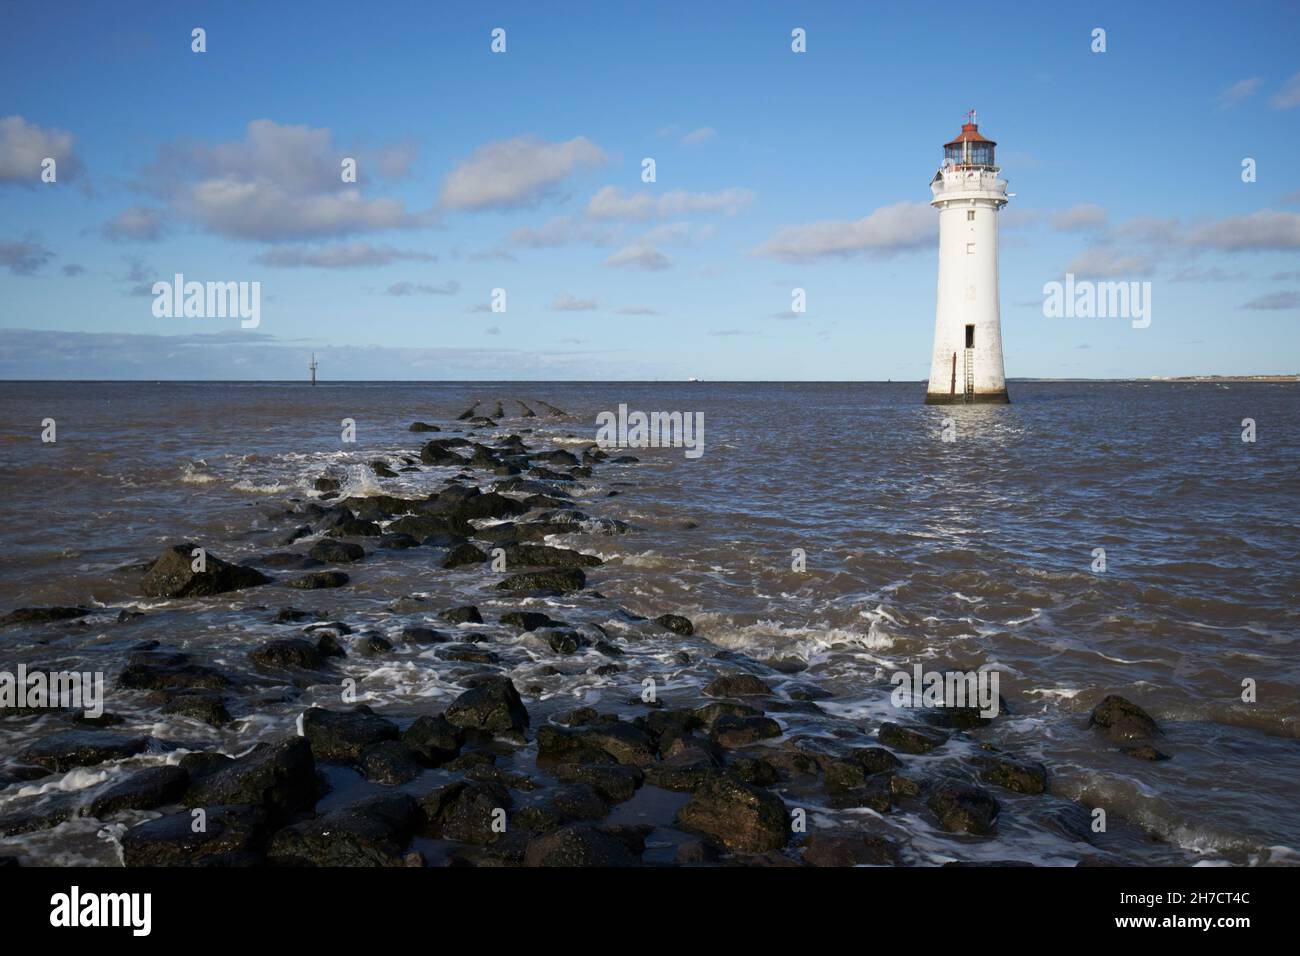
{"x":398,"y":542}
{"x":754,"y":770}
{"x":962,"y":808}
{"x":615,"y":783}
{"x":371,"y":832}
{"x":318,"y":580}
{"x":433,"y":740}
{"x":740,"y":817}
{"x":874,"y":792}
{"x":583,"y":845}
{"x":149,"y":788}
{"x":731,"y":732}
{"x":292,"y":652}
{"x":39,"y":814}
{"x":296,"y":534}
{"x":1145,"y":752}
{"x":710,"y":714}
{"x":232,"y":835}
{"x":676,"y":623}
{"x":737,"y":685}
{"x":435,"y":453}
{"x":1020,"y":776}
{"x":849,"y":849}
{"x":42,"y":615}
{"x":389,"y":762}
{"x":875,"y":759}
{"x":342,"y":735}
{"x":206,"y":706}
{"x":172,"y":575}
{"x":62,"y":752}
{"x":279,"y":777}
{"x":382,"y":469}
{"x":539,"y":555}
{"x":287,"y":560}
{"x":529,"y":620}
{"x":423,"y":427}
{"x":424,"y":527}
{"x":463,"y":555}
{"x":1123,"y":719}
{"x":910,"y":740}
{"x":373,"y":645}
{"x":561,"y":580}
{"x":467,"y":653}
{"x":467,"y":811}
{"x":149,"y":670}
{"x":566,"y":642}
{"x":620,"y":742}
{"x":493,"y":706}
{"x":423,"y":635}
{"x":326,"y":484}
{"x":462,"y":615}
{"x":327,"y":645}
{"x":333,"y":551}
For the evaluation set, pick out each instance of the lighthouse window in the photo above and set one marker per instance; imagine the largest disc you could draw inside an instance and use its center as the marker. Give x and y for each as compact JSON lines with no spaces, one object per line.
{"x":970,"y":248}
{"x":970,"y":215}
{"x":970,"y":336}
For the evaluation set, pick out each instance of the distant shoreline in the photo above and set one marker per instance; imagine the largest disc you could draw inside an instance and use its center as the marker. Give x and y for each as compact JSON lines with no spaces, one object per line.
{"x":1177,"y":379}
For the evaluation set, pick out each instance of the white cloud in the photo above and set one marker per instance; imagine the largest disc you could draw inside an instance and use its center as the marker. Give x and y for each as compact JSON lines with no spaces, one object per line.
{"x":1275,"y":302}
{"x":645,"y":258}
{"x":1288,"y":96}
{"x":1080,"y":218}
{"x":24,"y":257}
{"x":1264,"y":230}
{"x":349,"y":255}
{"x":890,"y":229}
{"x":611,"y":202}
{"x":567,"y":303}
{"x":1105,"y":261}
{"x":702,"y":135}
{"x":23,"y":147}
{"x":1241,"y":90}
{"x":411,"y":288}
{"x":516,"y":172}
{"x":139,"y":223}
{"x":561,"y":231}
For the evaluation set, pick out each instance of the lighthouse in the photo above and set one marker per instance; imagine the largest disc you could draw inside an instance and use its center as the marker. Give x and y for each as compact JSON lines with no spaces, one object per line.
{"x":967,"y":364}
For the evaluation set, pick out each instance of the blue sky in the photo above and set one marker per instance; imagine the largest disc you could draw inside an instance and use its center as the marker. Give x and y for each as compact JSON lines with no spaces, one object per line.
{"x":522,"y":171}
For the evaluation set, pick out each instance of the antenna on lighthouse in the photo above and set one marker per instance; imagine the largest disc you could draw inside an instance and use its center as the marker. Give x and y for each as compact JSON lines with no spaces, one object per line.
{"x":312,"y":365}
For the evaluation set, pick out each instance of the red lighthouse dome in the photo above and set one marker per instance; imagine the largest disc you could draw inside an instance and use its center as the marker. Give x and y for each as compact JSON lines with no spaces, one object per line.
{"x":969,"y":148}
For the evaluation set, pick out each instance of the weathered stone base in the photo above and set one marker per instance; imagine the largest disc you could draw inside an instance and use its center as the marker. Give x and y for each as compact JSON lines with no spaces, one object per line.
{"x":979,"y":398}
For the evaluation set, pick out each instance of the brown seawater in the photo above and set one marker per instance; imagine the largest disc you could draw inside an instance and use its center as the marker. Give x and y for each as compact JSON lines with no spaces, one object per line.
{"x":956,"y":555}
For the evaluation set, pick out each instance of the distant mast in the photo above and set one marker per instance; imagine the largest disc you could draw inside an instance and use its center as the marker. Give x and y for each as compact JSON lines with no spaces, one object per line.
{"x":312,"y":366}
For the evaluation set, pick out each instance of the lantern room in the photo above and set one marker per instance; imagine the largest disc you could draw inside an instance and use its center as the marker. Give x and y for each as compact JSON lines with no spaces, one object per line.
{"x":969,"y":148}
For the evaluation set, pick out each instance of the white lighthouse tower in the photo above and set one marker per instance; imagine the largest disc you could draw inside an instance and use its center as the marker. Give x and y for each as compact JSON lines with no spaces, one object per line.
{"x":967,"y":363}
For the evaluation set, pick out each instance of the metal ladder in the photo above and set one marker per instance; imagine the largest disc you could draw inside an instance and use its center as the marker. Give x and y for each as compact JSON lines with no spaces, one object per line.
{"x":970,"y":376}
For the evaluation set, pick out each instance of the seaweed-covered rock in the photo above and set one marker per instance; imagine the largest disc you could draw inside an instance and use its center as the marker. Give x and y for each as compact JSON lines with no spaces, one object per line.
{"x":318,"y":580}
{"x":493,"y":706}
{"x":849,"y":849}
{"x":614,"y":782}
{"x":559,"y":579}
{"x":962,"y":808}
{"x":291,"y":652}
{"x":279,"y":777}
{"x":676,"y":623}
{"x":433,"y":740}
{"x":462,"y":556}
{"x":467,"y":614}
{"x":1123,"y":719}
{"x":583,"y":844}
{"x":467,"y":811}
{"x":230,"y":836}
{"x":333,"y":551}
{"x":370,"y":832}
{"x":911,"y":740}
{"x":342,"y":735}
{"x":1022,"y":776}
{"x":737,"y":685}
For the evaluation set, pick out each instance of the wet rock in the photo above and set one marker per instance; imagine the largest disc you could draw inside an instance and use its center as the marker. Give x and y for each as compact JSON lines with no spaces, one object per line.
{"x":423,"y":427}
{"x":62,"y":752}
{"x":467,"y":653}
{"x":279,"y":777}
{"x":149,"y":670}
{"x":287,"y":560}
{"x":333,"y":551}
{"x":910,"y":740}
{"x":342,"y":735}
{"x":231,"y":836}
{"x":614,"y":782}
{"x":529,"y":620}
{"x":1123,"y":719}
{"x":1145,"y":752}
{"x":206,"y":706}
{"x":373,"y":645}
{"x":585,"y":845}
{"x":566,"y":642}
{"x":754,"y":770}
{"x":710,"y":714}
{"x":424,"y":527}
{"x":962,"y":808}
{"x":740,"y":817}
{"x":398,"y":542}
{"x":326,"y":484}
{"x":561,"y":580}
{"x":39,"y":814}
{"x":595,"y":744}
{"x":1020,"y":776}
{"x":849,"y":849}
{"x":435,"y":453}
{"x":390,"y":762}
{"x":874,"y":792}
{"x":371,"y":832}
{"x":433,"y":740}
{"x":291,"y":615}
{"x":415,"y":634}
{"x":318,"y":580}
{"x":737,"y":685}
{"x":875,"y":759}
{"x":463,"y":555}
{"x":382,"y":469}
{"x":172,"y":575}
{"x":149,"y":788}
{"x":467,"y":811}
{"x":676,"y":623}
{"x":731,"y":732}
{"x":296,"y":534}
{"x":467,"y":614}
{"x":900,"y":786}
{"x":493,"y":706}
{"x":490,"y":505}
{"x":539,"y":555}
{"x":291,"y":652}
{"x":327,"y":645}
{"x":42,"y":615}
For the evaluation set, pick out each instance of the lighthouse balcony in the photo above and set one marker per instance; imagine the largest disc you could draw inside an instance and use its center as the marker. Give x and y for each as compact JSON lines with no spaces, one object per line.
{"x":956,"y":183}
